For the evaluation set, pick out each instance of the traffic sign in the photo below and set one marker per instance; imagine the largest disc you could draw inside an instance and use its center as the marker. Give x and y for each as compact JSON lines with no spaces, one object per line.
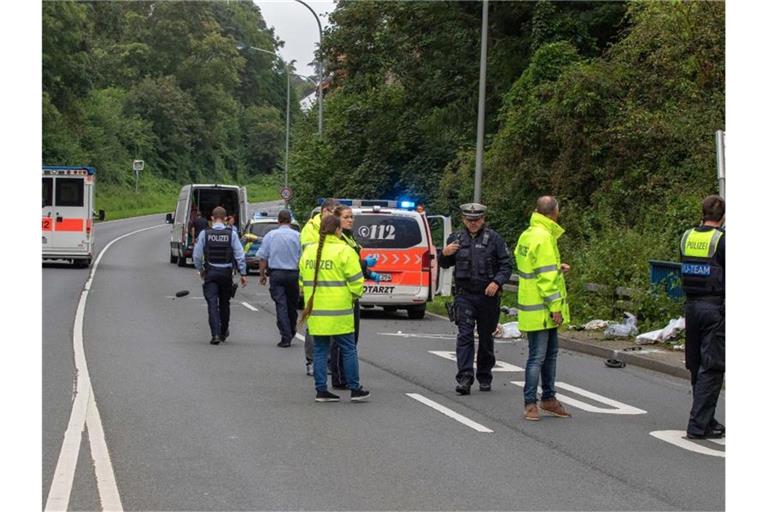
{"x":138,"y":165}
{"x":286,"y":193}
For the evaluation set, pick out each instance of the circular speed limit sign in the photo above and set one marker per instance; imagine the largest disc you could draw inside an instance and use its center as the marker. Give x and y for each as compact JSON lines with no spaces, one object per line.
{"x":286,"y":193}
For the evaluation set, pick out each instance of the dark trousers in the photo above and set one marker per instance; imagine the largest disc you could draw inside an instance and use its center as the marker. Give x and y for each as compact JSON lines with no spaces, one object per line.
{"x":284,"y":290}
{"x":705,"y":358}
{"x":483,"y":311}
{"x":217,"y":289}
{"x":338,"y":376}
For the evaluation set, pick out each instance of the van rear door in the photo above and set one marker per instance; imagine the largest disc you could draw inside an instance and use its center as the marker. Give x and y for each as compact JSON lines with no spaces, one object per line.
{"x":243,"y":197}
{"x":441,"y":228}
{"x":69,"y":214}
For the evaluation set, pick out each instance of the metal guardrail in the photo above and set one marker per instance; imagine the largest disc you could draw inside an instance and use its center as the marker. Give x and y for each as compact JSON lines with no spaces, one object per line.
{"x":622,"y":294}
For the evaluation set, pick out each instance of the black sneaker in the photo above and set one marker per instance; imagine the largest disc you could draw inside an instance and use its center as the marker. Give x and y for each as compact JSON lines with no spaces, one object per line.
{"x":215,"y":340}
{"x":359,"y":395}
{"x":485,"y":386}
{"x":326,"y":396}
{"x":708,"y":435}
{"x":284,"y":344}
{"x":464,"y":388}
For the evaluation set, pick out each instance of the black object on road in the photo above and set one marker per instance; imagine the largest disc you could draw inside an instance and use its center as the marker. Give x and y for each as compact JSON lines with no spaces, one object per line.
{"x":615,"y":363}
{"x":182,"y":293}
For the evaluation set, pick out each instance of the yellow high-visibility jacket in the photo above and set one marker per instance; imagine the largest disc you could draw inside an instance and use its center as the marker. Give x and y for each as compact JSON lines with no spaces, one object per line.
{"x":541,"y":290}
{"x":339,"y":283}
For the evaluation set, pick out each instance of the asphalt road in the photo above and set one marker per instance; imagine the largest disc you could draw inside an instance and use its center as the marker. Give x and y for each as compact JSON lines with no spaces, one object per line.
{"x":191,"y":426}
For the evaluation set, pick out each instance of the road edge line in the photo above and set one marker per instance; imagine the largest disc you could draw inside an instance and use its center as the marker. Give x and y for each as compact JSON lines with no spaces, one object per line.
{"x":64,"y":475}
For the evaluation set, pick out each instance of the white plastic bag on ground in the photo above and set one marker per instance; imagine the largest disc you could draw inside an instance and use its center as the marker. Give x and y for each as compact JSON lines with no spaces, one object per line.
{"x":670,"y":331}
{"x":623,"y":330}
{"x":508,"y":330}
{"x":595,"y":325}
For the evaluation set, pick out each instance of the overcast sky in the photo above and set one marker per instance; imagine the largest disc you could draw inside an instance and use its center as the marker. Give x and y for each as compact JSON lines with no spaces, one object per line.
{"x":296,"y":26}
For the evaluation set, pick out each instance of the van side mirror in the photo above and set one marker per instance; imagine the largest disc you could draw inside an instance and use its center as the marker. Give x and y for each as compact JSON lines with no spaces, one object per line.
{"x":102,"y":215}
{"x":169,"y":218}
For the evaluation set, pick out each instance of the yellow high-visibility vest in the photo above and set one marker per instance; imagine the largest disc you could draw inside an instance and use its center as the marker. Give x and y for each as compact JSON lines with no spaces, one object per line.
{"x":541,"y":290}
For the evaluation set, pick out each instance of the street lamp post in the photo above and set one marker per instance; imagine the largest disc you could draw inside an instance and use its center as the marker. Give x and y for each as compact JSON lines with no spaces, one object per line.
{"x":481,"y":106}
{"x":320,"y":88}
{"x":287,"y":106}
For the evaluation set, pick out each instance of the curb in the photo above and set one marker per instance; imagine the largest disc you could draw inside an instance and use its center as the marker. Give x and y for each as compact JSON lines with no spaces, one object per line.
{"x":628,"y":357}
{"x":608,"y":353}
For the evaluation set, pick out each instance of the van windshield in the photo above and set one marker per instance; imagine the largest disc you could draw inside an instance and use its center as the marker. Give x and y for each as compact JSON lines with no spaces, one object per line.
{"x":386,"y":231}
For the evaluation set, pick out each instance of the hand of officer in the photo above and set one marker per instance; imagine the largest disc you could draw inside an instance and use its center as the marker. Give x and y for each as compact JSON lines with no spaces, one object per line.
{"x":370,"y":261}
{"x":491,"y":289}
{"x":565,"y":267}
{"x":557,"y":317}
{"x":202,"y":275}
{"x":263,"y":280}
{"x":243,"y":281}
{"x":450,"y":249}
{"x":376,"y":276}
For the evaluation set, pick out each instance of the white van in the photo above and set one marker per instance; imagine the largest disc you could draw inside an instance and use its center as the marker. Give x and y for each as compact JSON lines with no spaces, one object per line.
{"x":402,"y":237}
{"x":68,"y":213}
{"x":203,"y":198}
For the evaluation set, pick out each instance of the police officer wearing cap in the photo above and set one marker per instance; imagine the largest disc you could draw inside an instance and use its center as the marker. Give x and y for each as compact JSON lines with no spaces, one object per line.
{"x":216,"y":248}
{"x":702,"y":251}
{"x":481,"y":259}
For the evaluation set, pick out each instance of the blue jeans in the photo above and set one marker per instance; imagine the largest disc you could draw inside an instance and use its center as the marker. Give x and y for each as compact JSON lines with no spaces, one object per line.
{"x":346,"y":343}
{"x":542,"y":361}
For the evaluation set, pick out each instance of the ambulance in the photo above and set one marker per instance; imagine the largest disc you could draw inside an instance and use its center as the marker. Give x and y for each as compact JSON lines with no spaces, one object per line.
{"x":405,"y":241}
{"x":68,"y":213}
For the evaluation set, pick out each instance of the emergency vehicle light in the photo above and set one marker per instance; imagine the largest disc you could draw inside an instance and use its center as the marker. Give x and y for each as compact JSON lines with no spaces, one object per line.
{"x":407,"y":204}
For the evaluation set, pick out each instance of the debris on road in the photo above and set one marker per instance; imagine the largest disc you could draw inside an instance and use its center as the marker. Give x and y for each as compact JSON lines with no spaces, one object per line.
{"x":673,"y":328}
{"x":182,"y":293}
{"x":507,"y":330}
{"x":595,"y":325}
{"x":623,"y":330}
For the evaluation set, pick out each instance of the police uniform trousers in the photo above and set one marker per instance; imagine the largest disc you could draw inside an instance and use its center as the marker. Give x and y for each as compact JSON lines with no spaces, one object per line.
{"x":338,"y":377}
{"x":705,"y":358}
{"x":217,"y":290}
{"x":284,"y":290}
{"x":483,"y":311}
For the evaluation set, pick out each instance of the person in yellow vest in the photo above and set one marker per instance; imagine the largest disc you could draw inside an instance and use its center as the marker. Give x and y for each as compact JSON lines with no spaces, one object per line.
{"x":542,"y":305}
{"x":333,"y":279}
{"x":702,"y":268}
{"x":310,"y":233}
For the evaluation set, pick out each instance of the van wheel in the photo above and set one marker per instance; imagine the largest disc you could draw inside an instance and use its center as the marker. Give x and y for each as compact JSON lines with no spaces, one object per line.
{"x":417,"y":312}
{"x":174,"y":259}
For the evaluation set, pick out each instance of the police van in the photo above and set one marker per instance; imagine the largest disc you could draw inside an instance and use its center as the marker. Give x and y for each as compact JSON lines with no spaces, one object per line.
{"x":68,"y":213}
{"x":405,"y":241}
{"x":201,"y":198}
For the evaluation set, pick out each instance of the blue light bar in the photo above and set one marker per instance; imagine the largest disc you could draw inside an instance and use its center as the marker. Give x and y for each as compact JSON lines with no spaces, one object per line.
{"x":407,"y":204}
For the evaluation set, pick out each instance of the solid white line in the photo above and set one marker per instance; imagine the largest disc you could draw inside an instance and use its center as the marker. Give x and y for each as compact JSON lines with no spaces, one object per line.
{"x":449,"y":412}
{"x":300,"y":336}
{"x":84,"y":409}
{"x":249,"y":306}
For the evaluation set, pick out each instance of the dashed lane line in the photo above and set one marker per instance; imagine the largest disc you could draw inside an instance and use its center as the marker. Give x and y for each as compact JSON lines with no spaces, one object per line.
{"x":450,"y":413}
{"x":249,"y":306}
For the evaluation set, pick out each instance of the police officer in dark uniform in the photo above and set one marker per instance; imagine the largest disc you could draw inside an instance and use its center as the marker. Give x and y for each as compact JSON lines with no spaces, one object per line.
{"x":215,"y":251}
{"x":702,"y":251}
{"x":481,"y":259}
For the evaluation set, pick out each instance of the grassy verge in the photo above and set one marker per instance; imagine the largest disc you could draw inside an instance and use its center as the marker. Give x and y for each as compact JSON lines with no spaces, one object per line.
{"x":159,"y":196}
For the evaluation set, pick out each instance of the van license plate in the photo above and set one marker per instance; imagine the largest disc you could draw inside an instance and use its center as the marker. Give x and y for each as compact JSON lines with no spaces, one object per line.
{"x":385,"y":277}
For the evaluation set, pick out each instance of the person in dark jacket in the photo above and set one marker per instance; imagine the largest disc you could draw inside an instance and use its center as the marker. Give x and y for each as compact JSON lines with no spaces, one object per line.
{"x":481,"y":259}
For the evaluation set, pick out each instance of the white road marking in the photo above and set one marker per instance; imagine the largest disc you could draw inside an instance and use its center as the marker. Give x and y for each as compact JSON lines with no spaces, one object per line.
{"x":249,"y":306}
{"x":617,"y":407}
{"x":416,"y":335}
{"x":85,"y":412}
{"x":300,"y":336}
{"x":500,"y":366}
{"x":677,"y":438}
{"x":450,"y":413}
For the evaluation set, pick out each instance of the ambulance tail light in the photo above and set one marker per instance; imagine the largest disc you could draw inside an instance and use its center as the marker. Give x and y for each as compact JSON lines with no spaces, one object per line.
{"x":426,"y":261}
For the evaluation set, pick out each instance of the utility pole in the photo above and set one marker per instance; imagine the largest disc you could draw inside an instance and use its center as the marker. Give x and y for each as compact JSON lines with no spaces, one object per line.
{"x":481,"y":106}
{"x":720,"y":153}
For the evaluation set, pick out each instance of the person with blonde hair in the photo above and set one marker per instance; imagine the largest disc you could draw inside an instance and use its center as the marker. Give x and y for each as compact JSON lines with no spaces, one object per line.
{"x":332,"y":279}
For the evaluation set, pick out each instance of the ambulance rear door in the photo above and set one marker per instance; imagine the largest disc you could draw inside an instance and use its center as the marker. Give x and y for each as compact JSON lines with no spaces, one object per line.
{"x":70,"y":213}
{"x":441,"y":228}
